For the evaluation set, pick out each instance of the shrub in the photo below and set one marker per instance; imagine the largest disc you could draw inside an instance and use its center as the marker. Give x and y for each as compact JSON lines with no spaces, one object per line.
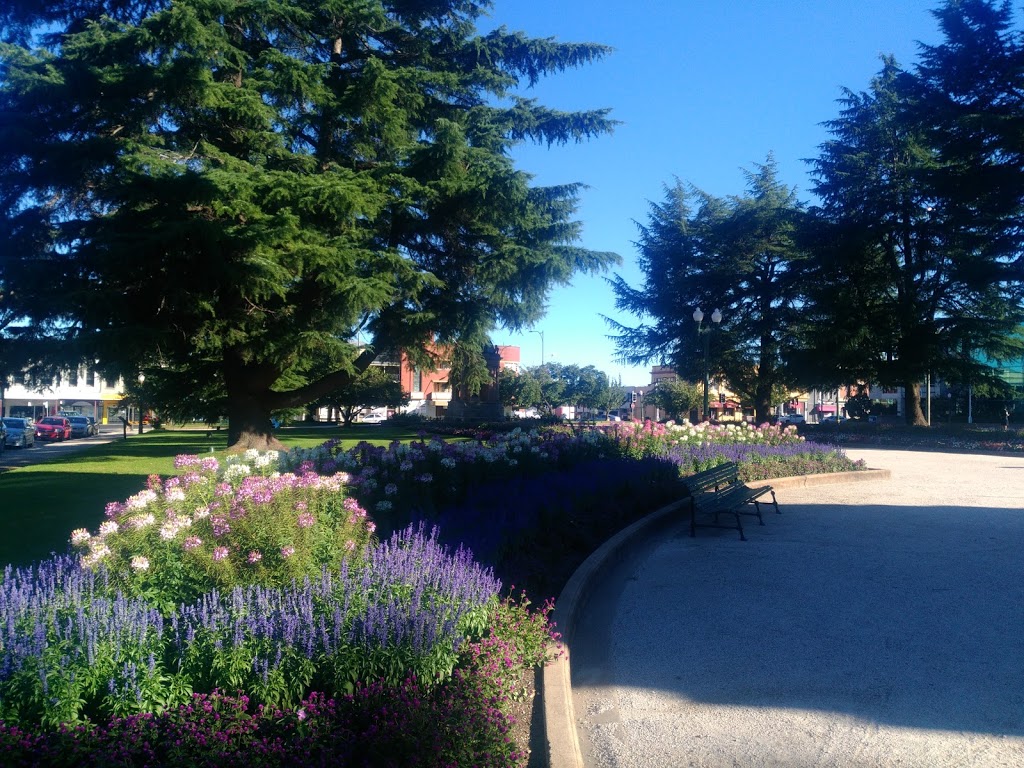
{"x":72,"y":648}
{"x":221,"y":526}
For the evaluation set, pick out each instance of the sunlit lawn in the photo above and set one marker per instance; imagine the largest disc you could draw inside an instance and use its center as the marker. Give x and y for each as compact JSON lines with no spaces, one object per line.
{"x":41,"y":504}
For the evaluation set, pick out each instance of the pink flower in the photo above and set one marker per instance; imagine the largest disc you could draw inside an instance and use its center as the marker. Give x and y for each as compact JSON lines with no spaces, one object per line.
{"x":193,"y":542}
{"x":287,"y":551}
{"x":254,"y":557}
{"x":306,"y":520}
{"x":219,"y":553}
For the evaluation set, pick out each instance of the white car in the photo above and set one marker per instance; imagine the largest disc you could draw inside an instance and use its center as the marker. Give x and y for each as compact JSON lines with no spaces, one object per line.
{"x":792,"y":418}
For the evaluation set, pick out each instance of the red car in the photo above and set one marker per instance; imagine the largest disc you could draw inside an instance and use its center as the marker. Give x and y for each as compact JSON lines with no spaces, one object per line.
{"x":53,"y":428}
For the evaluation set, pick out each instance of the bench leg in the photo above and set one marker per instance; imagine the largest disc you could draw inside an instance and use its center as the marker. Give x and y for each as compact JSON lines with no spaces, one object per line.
{"x":739,"y":527}
{"x":776,"y":503}
{"x":757,"y":506}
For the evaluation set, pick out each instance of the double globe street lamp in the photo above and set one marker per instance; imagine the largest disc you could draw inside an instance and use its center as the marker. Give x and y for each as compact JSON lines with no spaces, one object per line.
{"x":716,"y":318}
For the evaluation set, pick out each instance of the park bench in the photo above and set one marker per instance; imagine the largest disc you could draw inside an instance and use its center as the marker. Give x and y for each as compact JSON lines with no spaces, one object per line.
{"x":718,"y":491}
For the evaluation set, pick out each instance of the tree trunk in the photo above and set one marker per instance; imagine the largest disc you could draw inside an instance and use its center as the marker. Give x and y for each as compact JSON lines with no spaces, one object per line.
{"x":914,"y":415}
{"x":762,"y":404}
{"x":249,"y":426}
{"x":248,"y":398}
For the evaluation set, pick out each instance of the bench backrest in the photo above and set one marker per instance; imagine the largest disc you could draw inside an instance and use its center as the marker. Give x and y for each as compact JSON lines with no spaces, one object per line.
{"x":722,"y":474}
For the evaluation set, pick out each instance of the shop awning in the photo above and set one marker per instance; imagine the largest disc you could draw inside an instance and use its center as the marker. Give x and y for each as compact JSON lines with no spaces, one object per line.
{"x":728,"y":405}
{"x":825,"y":408}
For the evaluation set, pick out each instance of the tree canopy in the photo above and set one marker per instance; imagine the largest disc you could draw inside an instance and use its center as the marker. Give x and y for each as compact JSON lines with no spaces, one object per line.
{"x":910,"y":264}
{"x":922,"y":186}
{"x":227,"y":193}
{"x":736,"y":254}
{"x":374,"y":388}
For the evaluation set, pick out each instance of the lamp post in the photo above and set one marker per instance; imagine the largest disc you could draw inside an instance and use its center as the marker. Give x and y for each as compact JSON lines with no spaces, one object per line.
{"x":142,"y":380}
{"x":541,"y":333}
{"x":716,"y":318}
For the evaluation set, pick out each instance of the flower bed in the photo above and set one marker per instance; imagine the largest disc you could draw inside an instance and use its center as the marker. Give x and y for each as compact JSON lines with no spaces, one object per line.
{"x":246,"y":611}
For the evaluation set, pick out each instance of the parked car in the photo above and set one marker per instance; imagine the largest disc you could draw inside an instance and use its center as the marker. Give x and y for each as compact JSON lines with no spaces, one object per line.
{"x":792,"y":418}
{"x":832,"y":419}
{"x":21,"y":433}
{"x":3,"y":436}
{"x":80,"y":426}
{"x":53,"y":428}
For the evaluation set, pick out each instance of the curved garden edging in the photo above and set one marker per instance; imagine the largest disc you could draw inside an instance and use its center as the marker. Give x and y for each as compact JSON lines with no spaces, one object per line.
{"x":563,"y":748}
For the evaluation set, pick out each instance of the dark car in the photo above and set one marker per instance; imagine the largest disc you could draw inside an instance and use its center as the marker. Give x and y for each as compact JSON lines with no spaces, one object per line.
{"x":80,"y":426}
{"x":53,"y":428}
{"x":21,"y":433}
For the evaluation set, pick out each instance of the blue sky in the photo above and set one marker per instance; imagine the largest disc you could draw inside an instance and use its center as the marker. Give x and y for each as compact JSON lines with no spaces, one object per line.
{"x":704,"y":91}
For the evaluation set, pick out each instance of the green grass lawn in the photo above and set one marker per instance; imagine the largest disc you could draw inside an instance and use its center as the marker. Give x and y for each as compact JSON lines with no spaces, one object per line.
{"x":42,"y":503}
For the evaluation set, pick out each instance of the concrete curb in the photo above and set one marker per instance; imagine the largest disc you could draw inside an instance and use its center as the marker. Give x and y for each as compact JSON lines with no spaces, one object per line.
{"x":806,"y":481}
{"x":563,"y":747}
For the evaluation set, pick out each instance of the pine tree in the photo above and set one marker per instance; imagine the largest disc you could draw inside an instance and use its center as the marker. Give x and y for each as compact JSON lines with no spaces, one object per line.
{"x":923,"y":264}
{"x":227,"y":192}
{"x":736,"y":255}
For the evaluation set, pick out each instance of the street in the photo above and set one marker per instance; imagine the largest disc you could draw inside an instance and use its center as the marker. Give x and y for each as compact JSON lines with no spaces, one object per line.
{"x":45,"y":450}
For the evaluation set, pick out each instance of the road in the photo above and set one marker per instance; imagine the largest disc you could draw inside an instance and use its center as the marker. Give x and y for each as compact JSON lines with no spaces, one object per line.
{"x":45,"y":450}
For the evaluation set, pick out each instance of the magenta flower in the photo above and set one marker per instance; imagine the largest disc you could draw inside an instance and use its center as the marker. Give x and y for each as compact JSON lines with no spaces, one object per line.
{"x":192,"y":542}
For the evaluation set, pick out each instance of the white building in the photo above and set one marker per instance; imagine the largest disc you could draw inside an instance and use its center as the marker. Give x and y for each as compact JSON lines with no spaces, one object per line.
{"x":83,"y":391}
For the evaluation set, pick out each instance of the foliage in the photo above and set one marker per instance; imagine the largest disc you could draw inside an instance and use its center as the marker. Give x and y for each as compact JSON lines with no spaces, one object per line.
{"x":461,"y":723}
{"x":762,"y":452}
{"x":238,"y":524}
{"x":374,"y":388}
{"x":295,"y":174}
{"x":73,"y":647}
{"x":409,"y":648}
{"x":736,"y":254}
{"x":675,"y":398}
{"x":917,"y":242}
{"x":518,"y":389}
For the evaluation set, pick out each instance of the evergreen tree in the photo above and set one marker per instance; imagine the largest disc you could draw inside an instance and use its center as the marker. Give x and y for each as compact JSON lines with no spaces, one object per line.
{"x":735,"y":254}
{"x":914,"y":272}
{"x":227,"y":192}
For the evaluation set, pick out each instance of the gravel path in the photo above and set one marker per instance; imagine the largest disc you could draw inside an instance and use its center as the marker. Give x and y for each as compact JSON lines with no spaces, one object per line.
{"x":871,"y":624}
